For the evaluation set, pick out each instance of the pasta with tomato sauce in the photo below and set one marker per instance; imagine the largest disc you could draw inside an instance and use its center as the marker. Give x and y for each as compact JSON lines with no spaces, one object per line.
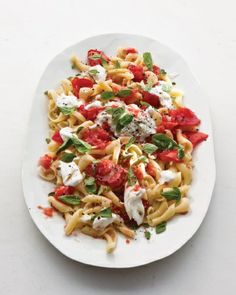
{"x":120,"y":146}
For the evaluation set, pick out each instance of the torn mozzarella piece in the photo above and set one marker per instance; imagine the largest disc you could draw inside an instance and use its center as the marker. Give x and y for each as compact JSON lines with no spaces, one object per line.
{"x":70,"y":173}
{"x":99,"y":73}
{"x":165,"y":99}
{"x":166,"y":176}
{"x":95,"y":103}
{"x":100,"y":223}
{"x":133,"y":203}
{"x":68,"y":101}
{"x":66,"y":133}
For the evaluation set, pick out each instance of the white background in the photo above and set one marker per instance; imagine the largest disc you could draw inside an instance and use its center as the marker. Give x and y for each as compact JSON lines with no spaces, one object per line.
{"x":31,"y":34}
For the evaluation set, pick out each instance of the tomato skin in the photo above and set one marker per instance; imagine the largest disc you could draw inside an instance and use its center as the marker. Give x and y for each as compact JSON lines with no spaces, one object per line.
{"x":78,"y":83}
{"x":156,"y":70}
{"x":57,"y":137}
{"x":152,"y":99}
{"x":97,"y":137}
{"x":45,"y":161}
{"x":130,"y":50}
{"x":184,"y":117}
{"x":108,"y":173}
{"x":137,"y":71}
{"x":138,"y":173}
{"x":195,"y":137}
{"x":166,"y":124}
{"x":63,"y":190}
{"x":169,"y":156}
{"x":94,"y":62}
{"x":91,"y":113}
{"x":150,"y":170}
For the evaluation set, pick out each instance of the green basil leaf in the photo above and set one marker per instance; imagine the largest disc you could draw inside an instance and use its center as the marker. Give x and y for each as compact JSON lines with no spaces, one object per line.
{"x":107,"y":95}
{"x":130,"y":142}
{"x":67,"y":111}
{"x":147,"y":59}
{"x":163,"y":72}
{"x":95,"y":56}
{"x":68,"y":157}
{"x":163,"y":142}
{"x":80,"y":145}
{"x":149,"y":148}
{"x":117,"y":113}
{"x":70,"y":199}
{"x":47,"y":140}
{"x":90,"y":185}
{"x":117,"y":64}
{"x":105,"y":213}
{"x":124,"y":92}
{"x":131,"y":177}
{"x":123,"y":121}
{"x":146,"y":225}
{"x":79,"y":129}
{"x":100,"y":190}
{"x":65,"y":145}
{"x":172,"y":194}
{"x":180,"y":152}
{"x":104,"y":63}
{"x":51,"y":194}
{"x":160,"y":228}
{"x":93,"y":72}
{"x":147,"y":235}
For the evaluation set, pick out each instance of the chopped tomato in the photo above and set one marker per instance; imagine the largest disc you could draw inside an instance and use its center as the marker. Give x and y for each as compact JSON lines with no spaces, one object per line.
{"x":108,"y":173}
{"x":78,"y":83}
{"x":99,"y":56}
{"x":137,"y":72}
{"x":138,"y":173}
{"x":97,"y":137}
{"x":132,"y":98}
{"x":48,"y":211}
{"x":156,"y":70}
{"x":91,"y":113}
{"x":195,"y":137}
{"x":45,"y":161}
{"x":63,"y":190}
{"x":152,"y":99}
{"x":184,"y":117}
{"x":135,"y":111}
{"x":57,"y":137}
{"x":123,"y":214}
{"x":166,"y":124}
{"x":169,"y":156}
{"x":150,"y":170}
{"x":130,"y":50}
{"x":106,"y":126}
{"x":137,"y":187}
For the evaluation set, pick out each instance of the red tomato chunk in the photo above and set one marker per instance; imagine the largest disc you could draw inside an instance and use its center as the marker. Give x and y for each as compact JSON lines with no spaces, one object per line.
{"x":91,"y":113}
{"x":45,"y":161}
{"x":152,"y":99}
{"x":169,"y":156}
{"x":195,"y":137}
{"x":137,"y":72}
{"x":63,"y":190}
{"x":78,"y":83}
{"x":97,"y":137}
{"x":184,"y":117}
{"x":57,"y":137}
{"x":99,"y":56}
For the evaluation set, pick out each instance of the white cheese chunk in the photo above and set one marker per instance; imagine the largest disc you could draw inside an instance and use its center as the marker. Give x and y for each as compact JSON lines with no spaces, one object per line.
{"x":166,"y":176}
{"x":99,"y":73}
{"x":68,"y":101}
{"x":66,"y":133}
{"x":100,"y":223}
{"x":70,"y":173}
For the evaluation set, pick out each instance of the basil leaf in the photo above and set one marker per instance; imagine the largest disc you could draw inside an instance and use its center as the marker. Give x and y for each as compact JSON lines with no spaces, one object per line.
{"x":144,"y":103}
{"x":163,"y":72}
{"x":148,"y":86}
{"x":95,"y":56}
{"x":147,"y":59}
{"x":104,"y":63}
{"x":124,"y":92}
{"x":68,"y":157}
{"x":147,"y":235}
{"x":107,"y":95}
{"x":80,"y":145}
{"x":160,"y":228}
{"x":146,"y":225}
{"x":131,"y":177}
{"x":67,"y":111}
{"x":93,"y":72}
{"x":47,"y":140}
{"x":180,"y":152}
{"x":105,"y":213}
{"x":100,"y":190}
{"x":149,"y":148}
{"x":117,"y":64}
{"x":172,"y":194}
{"x":90,"y":185}
{"x":51,"y":194}
{"x":70,"y":199}
{"x":65,"y":145}
{"x":130,"y":142}
{"x":124,"y":121}
{"x":163,"y":142}
{"x":117,"y":113}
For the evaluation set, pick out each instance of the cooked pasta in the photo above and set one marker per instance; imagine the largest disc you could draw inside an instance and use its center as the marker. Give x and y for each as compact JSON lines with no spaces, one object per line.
{"x":120,"y":147}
